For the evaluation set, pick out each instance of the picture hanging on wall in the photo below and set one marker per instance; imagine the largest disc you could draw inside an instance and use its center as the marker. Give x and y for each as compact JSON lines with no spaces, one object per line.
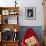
{"x":30,"y":13}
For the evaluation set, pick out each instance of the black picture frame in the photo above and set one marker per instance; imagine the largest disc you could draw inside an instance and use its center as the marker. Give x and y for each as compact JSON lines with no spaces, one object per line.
{"x":30,"y":13}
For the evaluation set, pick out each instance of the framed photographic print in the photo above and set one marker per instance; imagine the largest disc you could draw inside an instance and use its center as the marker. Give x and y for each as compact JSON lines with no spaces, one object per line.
{"x":5,"y":12}
{"x":30,"y":13}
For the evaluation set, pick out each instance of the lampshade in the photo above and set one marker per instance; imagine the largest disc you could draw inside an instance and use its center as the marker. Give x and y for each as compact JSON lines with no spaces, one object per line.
{"x":15,"y":30}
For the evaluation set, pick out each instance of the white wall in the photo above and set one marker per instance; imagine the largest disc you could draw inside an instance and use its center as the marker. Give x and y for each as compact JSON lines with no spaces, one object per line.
{"x":39,"y":12}
{"x":27,"y":3}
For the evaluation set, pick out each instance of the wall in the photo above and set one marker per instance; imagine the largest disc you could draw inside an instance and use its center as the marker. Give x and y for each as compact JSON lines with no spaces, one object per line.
{"x":22,"y":4}
{"x":39,"y":13}
{"x":44,"y":12}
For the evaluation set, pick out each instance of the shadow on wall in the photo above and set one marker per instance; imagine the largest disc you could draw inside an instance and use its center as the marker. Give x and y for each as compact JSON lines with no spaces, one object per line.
{"x":37,"y":29}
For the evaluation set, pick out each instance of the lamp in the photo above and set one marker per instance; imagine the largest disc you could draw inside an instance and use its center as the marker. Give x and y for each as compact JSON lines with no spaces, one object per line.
{"x":15,"y":37}
{"x":15,"y":3}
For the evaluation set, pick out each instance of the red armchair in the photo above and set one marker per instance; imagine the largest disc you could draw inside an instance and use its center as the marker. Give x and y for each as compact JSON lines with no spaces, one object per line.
{"x":28,"y":35}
